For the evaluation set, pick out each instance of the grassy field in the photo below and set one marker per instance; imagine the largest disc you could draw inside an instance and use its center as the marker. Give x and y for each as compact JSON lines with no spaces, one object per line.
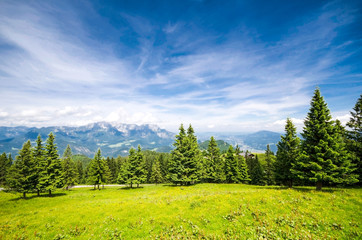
{"x":208,"y":211}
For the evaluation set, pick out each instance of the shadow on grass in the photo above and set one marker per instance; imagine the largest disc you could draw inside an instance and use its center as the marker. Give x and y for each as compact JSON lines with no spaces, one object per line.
{"x":130,"y":188}
{"x":301,"y":188}
{"x":40,"y":196}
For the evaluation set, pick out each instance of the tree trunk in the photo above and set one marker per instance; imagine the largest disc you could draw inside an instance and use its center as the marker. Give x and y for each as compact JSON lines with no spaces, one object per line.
{"x":67,"y":188}
{"x":38,"y":192}
{"x":290,"y":183}
{"x":24,"y":194}
{"x":319,"y":185}
{"x":94,"y":187}
{"x":138,"y":185}
{"x":98,"y":186}
{"x":50,"y":192}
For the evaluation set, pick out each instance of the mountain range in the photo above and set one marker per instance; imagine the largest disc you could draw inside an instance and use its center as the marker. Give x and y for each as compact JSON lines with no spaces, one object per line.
{"x":117,"y":138}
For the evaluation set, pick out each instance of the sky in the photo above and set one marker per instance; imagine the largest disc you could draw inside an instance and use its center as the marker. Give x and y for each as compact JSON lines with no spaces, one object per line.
{"x":222,"y":66}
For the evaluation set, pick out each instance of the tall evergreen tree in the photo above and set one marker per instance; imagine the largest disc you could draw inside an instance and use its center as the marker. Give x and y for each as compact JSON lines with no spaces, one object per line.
{"x":22,"y":176}
{"x":112,"y":165}
{"x":257,"y":172}
{"x":214,"y":167}
{"x":287,"y":154}
{"x":269,"y":167}
{"x":50,"y":176}
{"x":192,"y":159}
{"x":39,"y":159}
{"x":176,"y":168}
{"x":322,"y":159}
{"x":98,"y":170}
{"x":5,"y":164}
{"x":123,"y":173}
{"x":354,"y":137}
{"x":232,"y":174}
{"x":80,"y":172}
{"x":69,"y":173}
{"x":242,"y":166}
{"x":156,"y":175}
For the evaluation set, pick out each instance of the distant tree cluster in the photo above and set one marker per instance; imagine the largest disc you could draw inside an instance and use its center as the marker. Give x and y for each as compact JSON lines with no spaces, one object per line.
{"x":328,"y":154}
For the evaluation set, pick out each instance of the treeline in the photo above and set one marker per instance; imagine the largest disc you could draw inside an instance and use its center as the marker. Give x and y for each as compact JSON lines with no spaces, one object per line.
{"x":328,"y":154}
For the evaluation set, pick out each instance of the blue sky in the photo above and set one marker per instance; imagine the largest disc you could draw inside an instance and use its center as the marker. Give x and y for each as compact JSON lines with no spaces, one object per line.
{"x":231,"y":66}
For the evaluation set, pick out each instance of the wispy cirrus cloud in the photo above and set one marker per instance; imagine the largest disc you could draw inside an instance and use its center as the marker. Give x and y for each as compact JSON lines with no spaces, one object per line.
{"x":59,"y":72}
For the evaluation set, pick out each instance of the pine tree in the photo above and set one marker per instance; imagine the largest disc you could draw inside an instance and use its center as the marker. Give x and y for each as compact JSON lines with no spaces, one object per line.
{"x":111,"y":163}
{"x":5,"y":164}
{"x":22,"y":176}
{"x":287,"y":154}
{"x":156,"y":175}
{"x":39,"y":158}
{"x":354,"y":137}
{"x":176,"y":168}
{"x":269,"y":167}
{"x":242,"y":166}
{"x":213,"y":166}
{"x":232,"y":174}
{"x":192,"y":159}
{"x":98,"y":170}
{"x":123,"y":174}
{"x":257,"y":172}
{"x":50,"y":176}
{"x":69,"y":173}
{"x":323,"y":159}
{"x":80,"y":172}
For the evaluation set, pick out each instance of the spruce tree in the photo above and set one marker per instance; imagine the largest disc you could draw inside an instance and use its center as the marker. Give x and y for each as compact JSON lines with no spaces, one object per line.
{"x":269,"y":167}
{"x":156,"y":175}
{"x":39,"y":159}
{"x":69,"y":173}
{"x":354,"y":137}
{"x":232,"y":174}
{"x":192,"y":159}
{"x":140,"y":173}
{"x":80,"y":172}
{"x":22,"y":176}
{"x":214,"y":167}
{"x":5,"y":164}
{"x":287,"y":154}
{"x":242,"y":166}
{"x":322,"y":159}
{"x":257,"y":172}
{"x":123,"y":173}
{"x":50,"y":176}
{"x":176,"y":168}
{"x":98,"y":170}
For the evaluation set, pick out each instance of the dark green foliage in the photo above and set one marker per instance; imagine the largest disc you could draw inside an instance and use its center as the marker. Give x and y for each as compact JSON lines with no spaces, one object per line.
{"x":134,"y":172}
{"x":98,"y":172}
{"x":269,"y":166}
{"x":213,"y":164}
{"x":80,"y":172}
{"x":176,"y":167}
{"x":123,"y":174}
{"x":39,"y":159}
{"x":185,"y":162}
{"x":5,"y":164}
{"x":22,"y":175}
{"x":257,"y":173}
{"x":323,"y":158}
{"x":156,"y":175}
{"x":242,"y":166}
{"x":50,"y":176}
{"x":113,"y":168}
{"x":232,"y":174}
{"x":287,"y":154}
{"x":70,"y":173}
{"x":354,"y":137}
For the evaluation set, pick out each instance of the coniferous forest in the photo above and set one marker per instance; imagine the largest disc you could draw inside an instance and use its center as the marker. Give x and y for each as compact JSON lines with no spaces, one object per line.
{"x":328,"y":154}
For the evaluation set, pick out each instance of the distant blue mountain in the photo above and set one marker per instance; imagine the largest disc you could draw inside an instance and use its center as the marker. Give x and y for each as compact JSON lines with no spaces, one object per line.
{"x":112,"y":138}
{"x":116,"y":138}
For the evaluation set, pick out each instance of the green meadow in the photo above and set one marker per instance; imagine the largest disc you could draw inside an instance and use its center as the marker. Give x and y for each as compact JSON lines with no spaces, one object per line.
{"x":203,"y":211}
